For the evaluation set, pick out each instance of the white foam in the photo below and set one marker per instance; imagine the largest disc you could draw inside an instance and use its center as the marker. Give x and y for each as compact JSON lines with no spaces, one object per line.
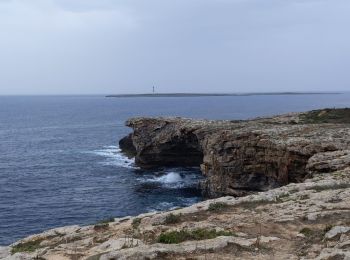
{"x":172,"y":179}
{"x":168,"y":180}
{"x":114,"y":157}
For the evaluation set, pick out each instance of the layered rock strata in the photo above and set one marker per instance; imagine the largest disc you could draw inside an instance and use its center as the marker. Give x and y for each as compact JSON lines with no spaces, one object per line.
{"x":240,"y":157}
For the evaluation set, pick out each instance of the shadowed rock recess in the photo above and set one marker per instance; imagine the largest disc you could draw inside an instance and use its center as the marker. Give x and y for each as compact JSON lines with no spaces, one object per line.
{"x":307,"y":219}
{"x":240,"y":157}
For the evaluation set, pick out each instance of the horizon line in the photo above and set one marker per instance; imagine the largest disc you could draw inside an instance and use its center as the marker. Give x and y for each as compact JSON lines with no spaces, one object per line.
{"x":184,"y":93}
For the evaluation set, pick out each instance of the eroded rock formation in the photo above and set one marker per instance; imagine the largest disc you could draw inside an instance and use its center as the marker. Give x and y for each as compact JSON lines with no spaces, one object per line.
{"x":163,"y":143}
{"x":239,"y":157}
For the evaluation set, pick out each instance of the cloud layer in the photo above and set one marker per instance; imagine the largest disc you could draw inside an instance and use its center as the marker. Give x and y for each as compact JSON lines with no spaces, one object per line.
{"x":110,"y":46}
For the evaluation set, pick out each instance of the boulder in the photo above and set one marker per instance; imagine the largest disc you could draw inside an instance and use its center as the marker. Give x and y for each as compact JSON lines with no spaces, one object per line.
{"x":335,"y":231}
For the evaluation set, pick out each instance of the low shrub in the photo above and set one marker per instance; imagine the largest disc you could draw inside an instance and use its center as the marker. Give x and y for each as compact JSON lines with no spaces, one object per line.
{"x":136,"y":223}
{"x":326,"y":229}
{"x":306,"y":232}
{"x":172,"y":219}
{"x":336,"y":186}
{"x":101,"y":227}
{"x":217,"y":206}
{"x":256,"y":203}
{"x":175,"y":237}
{"x":29,"y":246}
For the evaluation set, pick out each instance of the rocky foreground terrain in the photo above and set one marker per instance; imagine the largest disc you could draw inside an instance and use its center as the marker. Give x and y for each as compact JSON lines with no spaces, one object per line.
{"x":289,"y":181}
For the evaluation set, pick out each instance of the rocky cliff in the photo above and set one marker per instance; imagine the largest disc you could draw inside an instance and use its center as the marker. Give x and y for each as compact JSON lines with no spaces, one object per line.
{"x":240,"y":157}
{"x":307,"y":219}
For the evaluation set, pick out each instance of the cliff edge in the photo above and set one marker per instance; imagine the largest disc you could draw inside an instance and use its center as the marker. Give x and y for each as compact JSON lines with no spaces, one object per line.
{"x":241,"y":157}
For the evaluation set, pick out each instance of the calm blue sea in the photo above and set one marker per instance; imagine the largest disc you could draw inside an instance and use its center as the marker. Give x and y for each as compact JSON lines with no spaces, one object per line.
{"x":60,"y":163}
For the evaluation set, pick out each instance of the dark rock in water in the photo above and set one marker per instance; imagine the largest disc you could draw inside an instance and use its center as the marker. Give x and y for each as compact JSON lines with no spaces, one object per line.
{"x":240,"y":157}
{"x":162,"y":143}
{"x":127,"y":146}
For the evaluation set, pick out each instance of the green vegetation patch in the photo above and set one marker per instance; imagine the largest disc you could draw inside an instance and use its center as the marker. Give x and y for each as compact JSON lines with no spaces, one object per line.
{"x":175,"y":237}
{"x":172,"y":219}
{"x":101,"y":227}
{"x":326,"y":229}
{"x":136,"y":223}
{"x":283,"y":198}
{"x":315,"y":234}
{"x":255,"y":203}
{"x":336,"y":186}
{"x":329,"y":115}
{"x":29,"y":246}
{"x":306,"y":232}
{"x":217,"y":206}
{"x":103,"y":224}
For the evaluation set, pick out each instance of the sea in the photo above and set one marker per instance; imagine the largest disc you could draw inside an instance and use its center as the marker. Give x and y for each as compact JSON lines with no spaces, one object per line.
{"x":60,"y":163}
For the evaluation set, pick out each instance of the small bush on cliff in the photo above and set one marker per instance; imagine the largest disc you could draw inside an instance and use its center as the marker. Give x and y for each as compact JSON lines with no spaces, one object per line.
{"x":326,"y":229}
{"x":306,"y":232}
{"x":101,"y":227}
{"x":329,"y":115}
{"x":256,"y":203}
{"x":335,"y":186}
{"x":175,"y":237}
{"x":103,"y":224}
{"x":217,"y":206}
{"x":314,"y":235}
{"x":30,"y":246}
{"x":172,"y":219}
{"x":136,"y":223}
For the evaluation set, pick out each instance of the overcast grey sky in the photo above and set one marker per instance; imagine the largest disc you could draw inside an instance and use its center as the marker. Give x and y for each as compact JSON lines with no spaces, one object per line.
{"x":127,"y":46}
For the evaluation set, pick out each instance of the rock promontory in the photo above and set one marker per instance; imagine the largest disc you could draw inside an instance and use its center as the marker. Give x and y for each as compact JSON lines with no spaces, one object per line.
{"x":241,"y":157}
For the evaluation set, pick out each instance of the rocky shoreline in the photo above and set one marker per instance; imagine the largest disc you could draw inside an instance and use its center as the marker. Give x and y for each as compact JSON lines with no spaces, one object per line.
{"x":285,"y":182}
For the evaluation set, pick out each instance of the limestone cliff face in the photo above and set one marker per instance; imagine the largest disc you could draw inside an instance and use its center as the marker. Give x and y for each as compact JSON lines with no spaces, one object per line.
{"x":240,"y":157}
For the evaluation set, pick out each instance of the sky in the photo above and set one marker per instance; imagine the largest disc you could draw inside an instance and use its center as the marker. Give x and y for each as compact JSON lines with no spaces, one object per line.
{"x":128,"y":46}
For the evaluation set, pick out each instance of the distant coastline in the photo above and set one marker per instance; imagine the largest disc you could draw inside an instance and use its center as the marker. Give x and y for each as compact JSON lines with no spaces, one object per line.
{"x":219,"y":94}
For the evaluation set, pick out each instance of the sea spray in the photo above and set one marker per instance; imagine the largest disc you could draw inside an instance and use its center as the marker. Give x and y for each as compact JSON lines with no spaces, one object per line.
{"x":114,"y":157}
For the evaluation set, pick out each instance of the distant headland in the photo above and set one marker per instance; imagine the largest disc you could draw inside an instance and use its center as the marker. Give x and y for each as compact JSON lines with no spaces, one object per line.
{"x":219,"y":94}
